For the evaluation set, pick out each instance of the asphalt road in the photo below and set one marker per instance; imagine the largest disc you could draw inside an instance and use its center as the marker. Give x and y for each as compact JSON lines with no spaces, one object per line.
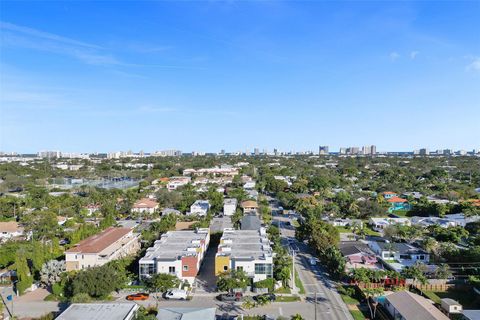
{"x":329,"y":303}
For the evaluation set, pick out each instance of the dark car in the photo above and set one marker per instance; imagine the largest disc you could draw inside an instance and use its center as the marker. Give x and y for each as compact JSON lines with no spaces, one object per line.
{"x":266,"y":296}
{"x":231,"y":296}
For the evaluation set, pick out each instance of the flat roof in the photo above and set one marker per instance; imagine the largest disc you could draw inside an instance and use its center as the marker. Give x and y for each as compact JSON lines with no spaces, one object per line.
{"x":175,"y":244}
{"x":99,"y":311}
{"x":244,"y":244}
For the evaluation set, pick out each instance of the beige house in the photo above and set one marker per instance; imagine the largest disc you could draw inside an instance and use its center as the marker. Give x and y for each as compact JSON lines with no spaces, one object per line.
{"x":9,"y":230}
{"x":249,"y":206}
{"x":145,"y":205}
{"x":108,"y":245}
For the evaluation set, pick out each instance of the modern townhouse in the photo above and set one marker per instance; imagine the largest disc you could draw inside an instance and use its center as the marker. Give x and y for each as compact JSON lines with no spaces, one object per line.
{"x":247,"y":250}
{"x":176,"y":182}
{"x":229,"y":206}
{"x":108,"y":245}
{"x":200,"y":207}
{"x":177,"y":252}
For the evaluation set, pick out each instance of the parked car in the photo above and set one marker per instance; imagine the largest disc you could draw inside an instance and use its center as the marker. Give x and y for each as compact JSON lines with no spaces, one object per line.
{"x":268,"y":296}
{"x":176,"y":294}
{"x":231,"y":296}
{"x":313,"y":262}
{"x":137,"y":297}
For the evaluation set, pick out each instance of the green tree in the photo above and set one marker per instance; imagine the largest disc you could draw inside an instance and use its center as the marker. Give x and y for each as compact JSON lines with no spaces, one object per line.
{"x":161,"y":282}
{"x":232,"y":279}
{"x":98,"y":282}
{"x":25,"y":279}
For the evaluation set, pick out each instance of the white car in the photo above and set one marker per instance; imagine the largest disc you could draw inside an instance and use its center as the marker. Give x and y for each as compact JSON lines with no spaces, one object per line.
{"x":176,"y":294}
{"x":313,"y":262}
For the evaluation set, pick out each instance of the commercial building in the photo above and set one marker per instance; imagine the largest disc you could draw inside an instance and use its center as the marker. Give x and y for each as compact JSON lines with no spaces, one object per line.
{"x":108,"y":245}
{"x":229,"y":206}
{"x":177,"y":252}
{"x":247,"y":250}
{"x":100,"y":311}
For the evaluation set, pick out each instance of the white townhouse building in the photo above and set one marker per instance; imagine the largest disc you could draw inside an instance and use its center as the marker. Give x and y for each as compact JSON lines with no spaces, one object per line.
{"x":200,"y":207}
{"x":229,"y":206}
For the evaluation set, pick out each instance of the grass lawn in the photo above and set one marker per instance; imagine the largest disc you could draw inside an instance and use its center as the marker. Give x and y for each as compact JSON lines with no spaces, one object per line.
{"x":370,"y":232}
{"x":343,"y":229}
{"x":349,"y":300}
{"x":466,"y":299}
{"x":299,"y":284}
{"x":283,"y":290}
{"x":287,"y":298}
{"x":357,"y":315}
{"x":401,"y":213}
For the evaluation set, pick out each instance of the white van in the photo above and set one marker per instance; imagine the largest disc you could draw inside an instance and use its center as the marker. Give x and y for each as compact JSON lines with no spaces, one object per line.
{"x":176,"y":294}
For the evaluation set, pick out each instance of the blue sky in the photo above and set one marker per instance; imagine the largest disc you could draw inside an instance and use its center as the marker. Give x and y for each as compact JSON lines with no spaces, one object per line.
{"x":115,"y":75}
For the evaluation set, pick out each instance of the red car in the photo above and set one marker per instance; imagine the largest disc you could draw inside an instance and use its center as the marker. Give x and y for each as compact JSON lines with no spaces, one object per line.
{"x":138,"y":296}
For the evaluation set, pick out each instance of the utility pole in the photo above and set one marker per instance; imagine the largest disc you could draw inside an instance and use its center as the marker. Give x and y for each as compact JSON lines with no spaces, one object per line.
{"x":293,"y":271}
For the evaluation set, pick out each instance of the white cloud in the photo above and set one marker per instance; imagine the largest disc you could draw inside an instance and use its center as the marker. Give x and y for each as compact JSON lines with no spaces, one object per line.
{"x":474,"y":65}
{"x":394,"y":56}
{"x":414,"y":54}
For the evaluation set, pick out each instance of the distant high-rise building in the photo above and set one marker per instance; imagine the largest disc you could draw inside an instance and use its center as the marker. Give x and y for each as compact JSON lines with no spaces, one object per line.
{"x":256,"y":151}
{"x":373,"y":150}
{"x":424,"y":152}
{"x":343,"y":151}
{"x":168,"y":153}
{"x":275,"y":151}
{"x":222,"y":152}
{"x":49,"y":154}
{"x":366,"y":150}
{"x":447,"y":152}
{"x":323,"y":150}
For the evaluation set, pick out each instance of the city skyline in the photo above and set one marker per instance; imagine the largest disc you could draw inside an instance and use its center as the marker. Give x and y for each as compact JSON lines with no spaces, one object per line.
{"x":83,"y":76}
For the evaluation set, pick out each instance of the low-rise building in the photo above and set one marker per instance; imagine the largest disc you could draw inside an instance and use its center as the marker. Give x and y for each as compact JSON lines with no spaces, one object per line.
{"x":100,"y":311}
{"x":108,"y":245}
{"x":176,"y":182}
{"x":406,"y":305}
{"x":249,"y":206}
{"x":186,"y":314}
{"x":247,"y":250}
{"x":357,"y":254}
{"x":177,"y":252}
{"x":229,"y":206}
{"x":9,"y":230}
{"x":250,"y":222}
{"x":399,"y":255}
{"x":378,"y":224}
{"x":451,"y":306}
{"x":145,"y":205}
{"x":200,"y":207}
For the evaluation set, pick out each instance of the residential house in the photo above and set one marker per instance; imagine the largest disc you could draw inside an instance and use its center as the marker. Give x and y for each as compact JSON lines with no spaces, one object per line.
{"x":399,"y":255}
{"x":378,"y":224}
{"x":145,"y":205}
{"x":200,"y":207}
{"x":405,"y":305}
{"x":108,"y":245}
{"x":389,"y":194}
{"x":339,"y":222}
{"x":92,"y":208}
{"x":229,"y":206}
{"x":470,"y":315}
{"x":461,"y":220}
{"x":432,"y":221}
{"x":9,"y":230}
{"x":357,"y":254}
{"x":167,"y":211}
{"x":249,"y":185}
{"x":249,"y":206}
{"x":252,"y":194}
{"x":179,"y":253}
{"x":397,"y":203}
{"x":100,"y":311}
{"x":247,"y":250}
{"x":186,"y":313}
{"x":176,"y":182}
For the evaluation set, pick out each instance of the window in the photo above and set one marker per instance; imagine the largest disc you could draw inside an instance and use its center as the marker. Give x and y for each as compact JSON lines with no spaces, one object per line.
{"x":185,"y":268}
{"x":171,"y":269}
{"x":225,"y":268}
{"x":240,"y":268}
{"x":147,"y":269}
{"x":263,"y":268}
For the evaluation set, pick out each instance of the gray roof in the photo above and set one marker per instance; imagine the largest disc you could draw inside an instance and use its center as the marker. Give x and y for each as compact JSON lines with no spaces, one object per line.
{"x":353,"y":247}
{"x":186,"y":314}
{"x":250,"y":222}
{"x":471,"y":314}
{"x":99,"y":311}
{"x":414,"y":307}
{"x":400,"y":247}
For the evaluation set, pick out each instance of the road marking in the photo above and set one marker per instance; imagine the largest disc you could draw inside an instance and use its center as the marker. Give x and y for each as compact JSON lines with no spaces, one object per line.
{"x":280,"y":311}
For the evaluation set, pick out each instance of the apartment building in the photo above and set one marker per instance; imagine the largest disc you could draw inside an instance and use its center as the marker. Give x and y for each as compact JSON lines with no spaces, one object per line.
{"x":108,"y":245}
{"x":247,"y":250}
{"x":229,"y":206}
{"x":177,"y":252}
